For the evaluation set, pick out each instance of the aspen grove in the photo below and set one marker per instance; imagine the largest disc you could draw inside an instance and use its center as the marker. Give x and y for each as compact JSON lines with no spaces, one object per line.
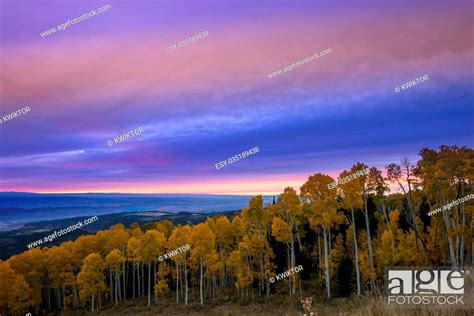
{"x":343,"y":237}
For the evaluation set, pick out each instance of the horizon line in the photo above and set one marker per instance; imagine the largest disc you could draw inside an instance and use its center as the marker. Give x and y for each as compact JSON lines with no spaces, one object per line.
{"x":144,"y":193}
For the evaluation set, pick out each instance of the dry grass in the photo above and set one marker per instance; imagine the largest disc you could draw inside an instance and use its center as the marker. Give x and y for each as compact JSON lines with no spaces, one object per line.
{"x":275,"y":306}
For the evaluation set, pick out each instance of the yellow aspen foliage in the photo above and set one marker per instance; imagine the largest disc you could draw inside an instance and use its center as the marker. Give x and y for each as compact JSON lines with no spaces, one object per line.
{"x":394,"y":217}
{"x":91,"y":278}
{"x":240,"y":269}
{"x":119,"y":237}
{"x":336,"y":254}
{"x":286,"y":215}
{"x":161,"y":288}
{"x":385,"y":255}
{"x":114,"y":260}
{"x":280,"y":230}
{"x":203,"y":243}
{"x":20,"y":298}
{"x":132,"y":249}
{"x":409,"y":249}
{"x":180,"y":236}
{"x":223,"y":232}
{"x":85,"y":245}
{"x":364,"y":262}
{"x":202,"y":252}
{"x":32,"y":265}
{"x":7,"y":278}
{"x":237,"y":229}
{"x":60,"y":263}
{"x":322,"y":203}
{"x":165,"y":227}
{"x":137,"y":233}
{"x":152,"y":245}
{"x":438,"y":247}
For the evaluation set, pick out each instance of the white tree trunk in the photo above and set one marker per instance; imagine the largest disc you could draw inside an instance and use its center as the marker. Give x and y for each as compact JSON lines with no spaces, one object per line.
{"x":133,"y":281}
{"x":116,"y":290}
{"x":200,"y":282}
{"x":326,"y":264}
{"x":186,"y":283}
{"x":369,"y":239}
{"x":356,"y":252}
{"x":293,"y":259}
{"x":149,"y":281}
{"x":177,"y":282}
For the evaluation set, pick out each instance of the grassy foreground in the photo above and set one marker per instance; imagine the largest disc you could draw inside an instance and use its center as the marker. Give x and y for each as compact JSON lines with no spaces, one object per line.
{"x":276,"y":306}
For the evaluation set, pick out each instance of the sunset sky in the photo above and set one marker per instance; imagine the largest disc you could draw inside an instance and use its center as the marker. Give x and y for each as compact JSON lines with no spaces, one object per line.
{"x":212,"y":99}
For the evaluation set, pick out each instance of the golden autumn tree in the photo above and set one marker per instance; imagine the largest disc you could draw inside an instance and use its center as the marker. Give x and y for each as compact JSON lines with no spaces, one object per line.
{"x":323,"y":213}
{"x":202,"y":250}
{"x":404,"y":175}
{"x":119,"y":237}
{"x":237,"y":228}
{"x":113,"y":262}
{"x":284,"y":224}
{"x":366,"y":190}
{"x":60,"y":271}
{"x":132,"y":256}
{"x":133,"y":245}
{"x":257,"y":223}
{"x":239,"y":266}
{"x":32,"y":265}
{"x":164,"y":226}
{"x":21,"y":296}
{"x":180,"y":237}
{"x":351,"y":193}
{"x":7,"y":278}
{"x":73,"y":268}
{"x":225,"y":243}
{"x":446,"y":176}
{"x":91,"y":278}
{"x":152,"y":245}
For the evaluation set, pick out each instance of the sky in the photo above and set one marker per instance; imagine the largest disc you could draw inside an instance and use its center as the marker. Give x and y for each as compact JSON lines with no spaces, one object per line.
{"x":213,"y":99}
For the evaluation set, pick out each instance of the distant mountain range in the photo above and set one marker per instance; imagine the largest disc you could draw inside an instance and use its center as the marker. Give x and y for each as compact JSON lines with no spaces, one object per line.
{"x":20,"y":208}
{"x":15,"y":241}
